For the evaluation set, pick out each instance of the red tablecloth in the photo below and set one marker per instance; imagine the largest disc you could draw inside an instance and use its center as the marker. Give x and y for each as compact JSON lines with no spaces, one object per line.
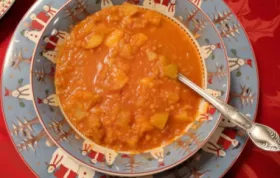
{"x":261,"y":19}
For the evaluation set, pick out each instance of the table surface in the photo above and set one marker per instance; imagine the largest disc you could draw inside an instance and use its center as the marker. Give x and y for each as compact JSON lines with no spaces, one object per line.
{"x":261,"y":20}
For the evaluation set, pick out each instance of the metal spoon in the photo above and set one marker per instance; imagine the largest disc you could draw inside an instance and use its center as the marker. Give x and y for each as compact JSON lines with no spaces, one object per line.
{"x":262,"y":136}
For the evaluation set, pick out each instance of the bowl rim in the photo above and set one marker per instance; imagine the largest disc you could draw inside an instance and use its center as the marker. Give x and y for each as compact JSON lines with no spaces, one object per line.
{"x":129,"y":174}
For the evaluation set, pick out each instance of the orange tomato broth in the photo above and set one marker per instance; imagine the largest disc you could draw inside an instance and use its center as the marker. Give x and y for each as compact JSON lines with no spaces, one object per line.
{"x":116,"y":78}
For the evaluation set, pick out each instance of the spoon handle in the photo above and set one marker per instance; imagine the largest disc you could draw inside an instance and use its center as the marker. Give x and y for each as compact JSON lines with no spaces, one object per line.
{"x":228,"y":111}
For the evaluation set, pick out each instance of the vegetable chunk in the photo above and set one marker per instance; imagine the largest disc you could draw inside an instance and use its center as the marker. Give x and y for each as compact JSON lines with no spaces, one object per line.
{"x":171,"y":71}
{"x":138,"y":40}
{"x":114,"y":38}
{"x":129,"y":9}
{"x":151,"y":55}
{"x":159,"y":120}
{"x":182,"y":116}
{"x":94,"y":41}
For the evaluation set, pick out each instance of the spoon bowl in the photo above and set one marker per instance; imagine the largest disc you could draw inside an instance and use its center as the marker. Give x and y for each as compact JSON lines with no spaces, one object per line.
{"x":264,"y":137}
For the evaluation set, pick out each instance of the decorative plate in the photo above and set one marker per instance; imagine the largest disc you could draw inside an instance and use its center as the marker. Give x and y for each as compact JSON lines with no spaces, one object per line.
{"x":36,"y":148}
{"x":104,"y":159}
{"x":5,"y":5}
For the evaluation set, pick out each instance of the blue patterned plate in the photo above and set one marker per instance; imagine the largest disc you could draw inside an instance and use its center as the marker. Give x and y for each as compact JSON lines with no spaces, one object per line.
{"x":104,"y":159}
{"x":37,"y":149}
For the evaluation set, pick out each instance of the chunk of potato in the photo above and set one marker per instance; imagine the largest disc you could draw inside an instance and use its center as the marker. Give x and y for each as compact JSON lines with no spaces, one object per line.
{"x":123,"y":66}
{"x":94,"y":122}
{"x":94,"y":41}
{"x":102,"y":29}
{"x":143,"y":125}
{"x":138,"y":39}
{"x":119,"y":81}
{"x":90,"y":102}
{"x":170,"y":71}
{"x":85,"y":95}
{"x":129,"y":9}
{"x":172,"y":97}
{"x":109,"y":61}
{"x":151,"y":55}
{"x":113,"y":18}
{"x":114,"y":51}
{"x":124,"y":119}
{"x":89,"y":99}
{"x":159,"y":120}
{"x":114,"y":38}
{"x":126,"y":51}
{"x":87,"y":28}
{"x":139,"y":23}
{"x":148,"y":81}
{"x":79,"y":114}
{"x":182,"y":116}
{"x":127,"y":22}
{"x":153,"y":17}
